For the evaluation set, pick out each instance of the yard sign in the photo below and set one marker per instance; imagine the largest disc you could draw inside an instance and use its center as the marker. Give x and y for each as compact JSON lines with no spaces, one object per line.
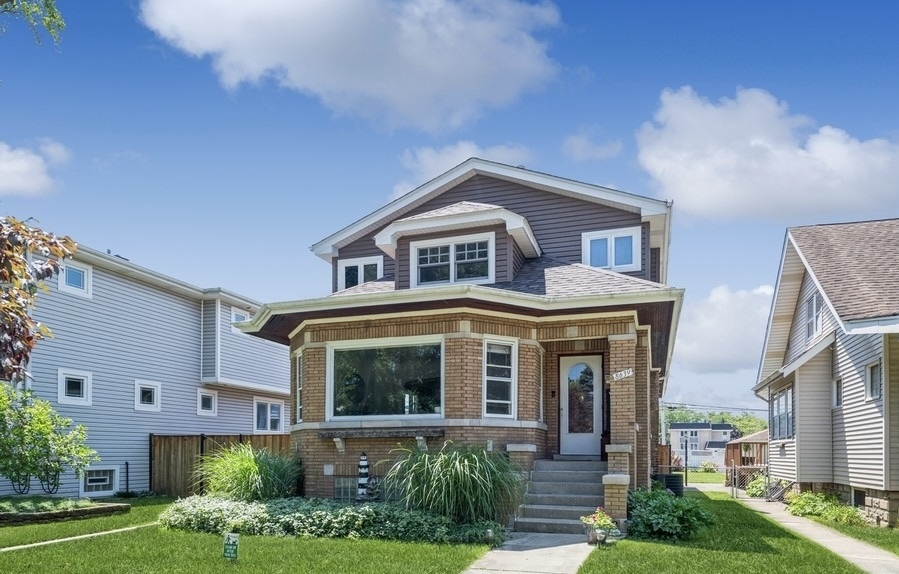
{"x":231,"y":546}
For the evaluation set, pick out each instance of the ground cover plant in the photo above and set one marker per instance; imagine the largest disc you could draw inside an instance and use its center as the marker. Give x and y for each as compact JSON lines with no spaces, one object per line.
{"x":826,"y":506}
{"x":143,"y":511}
{"x":243,"y":472}
{"x":466,"y":483}
{"x":320,"y":518}
{"x":173,"y":552}
{"x":42,"y":503}
{"x":657,"y":513}
{"x":741,"y":541}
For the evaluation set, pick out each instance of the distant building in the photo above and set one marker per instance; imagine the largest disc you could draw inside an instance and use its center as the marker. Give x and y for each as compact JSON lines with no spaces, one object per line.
{"x":698,"y":442}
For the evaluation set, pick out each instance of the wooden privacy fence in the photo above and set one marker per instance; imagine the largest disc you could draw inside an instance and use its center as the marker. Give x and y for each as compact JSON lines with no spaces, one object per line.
{"x":173,"y":457}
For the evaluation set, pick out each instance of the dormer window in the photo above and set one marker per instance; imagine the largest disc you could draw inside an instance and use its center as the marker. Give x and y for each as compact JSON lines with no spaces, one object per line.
{"x":464,"y":259}
{"x":352,"y":272}
{"x":617,"y":249}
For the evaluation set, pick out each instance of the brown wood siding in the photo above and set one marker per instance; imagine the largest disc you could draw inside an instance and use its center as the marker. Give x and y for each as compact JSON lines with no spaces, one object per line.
{"x":502,"y":253}
{"x":557,"y":221}
{"x":517,"y":259}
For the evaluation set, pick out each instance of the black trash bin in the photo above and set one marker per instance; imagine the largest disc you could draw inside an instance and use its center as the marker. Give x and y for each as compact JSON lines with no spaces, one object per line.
{"x":675,"y":483}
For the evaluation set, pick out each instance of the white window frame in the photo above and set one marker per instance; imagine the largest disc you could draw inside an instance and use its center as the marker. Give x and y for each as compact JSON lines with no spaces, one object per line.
{"x":140,"y":384}
{"x":201,"y":392}
{"x":235,"y":311}
{"x":781,"y":414}
{"x":262,"y":400}
{"x":837,"y":393}
{"x":636,"y":236}
{"x":87,"y":290}
{"x":114,"y":483}
{"x":694,"y":440}
{"x":414,"y":246}
{"x":542,"y":418}
{"x":513,"y":381}
{"x":814,"y":315}
{"x":359,"y":263}
{"x":299,"y":388}
{"x":869,"y":381}
{"x":376,"y":343}
{"x":64,"y":399}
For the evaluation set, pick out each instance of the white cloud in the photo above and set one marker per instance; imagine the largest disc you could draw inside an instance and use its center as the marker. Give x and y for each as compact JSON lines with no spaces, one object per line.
{"x":25,"y":171}
{"x":580,"y":148}
{"x":429,"y":64}
{"x":426,"y":163}
{"x":724,"y":332}
{"x":749,"y":156}
{"x":730,"y":390}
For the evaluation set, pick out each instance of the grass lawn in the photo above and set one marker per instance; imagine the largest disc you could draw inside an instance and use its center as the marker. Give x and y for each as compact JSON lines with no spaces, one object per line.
{"x":143,"y":510}
{"x":156,"y":550}
{"x":696,"y":477}
{"x":740,"y":541}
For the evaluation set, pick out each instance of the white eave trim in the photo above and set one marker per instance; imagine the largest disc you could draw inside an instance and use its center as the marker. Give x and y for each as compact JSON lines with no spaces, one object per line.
{"x":244,"y":385}
{"x":872,"y":326}
{"x":516,"y":225}
{"x":809,"y":354}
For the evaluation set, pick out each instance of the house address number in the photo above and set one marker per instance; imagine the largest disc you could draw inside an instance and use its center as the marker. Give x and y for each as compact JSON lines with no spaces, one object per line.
{"x":622,"y":374}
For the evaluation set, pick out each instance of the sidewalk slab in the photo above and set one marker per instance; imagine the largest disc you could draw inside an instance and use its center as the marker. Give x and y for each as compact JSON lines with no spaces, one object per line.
{"x":535,"y":553}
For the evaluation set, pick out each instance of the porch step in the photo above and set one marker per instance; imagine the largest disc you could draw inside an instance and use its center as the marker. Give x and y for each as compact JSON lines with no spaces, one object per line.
{"x":560,"y":492}
{"x":577,"y":500}
{"x":549,"y":526}
{"x":571,"y":464}
{"x":555,"y":511}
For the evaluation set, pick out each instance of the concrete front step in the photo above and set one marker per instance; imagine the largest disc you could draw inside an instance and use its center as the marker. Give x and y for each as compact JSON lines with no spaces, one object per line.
{"x":552,"y":511}
{"x":574,"y":464}
{"x":567,"y":475}
{"x":579,"y":500}
{"x":594,"y":488}
{"x":549,"y":525}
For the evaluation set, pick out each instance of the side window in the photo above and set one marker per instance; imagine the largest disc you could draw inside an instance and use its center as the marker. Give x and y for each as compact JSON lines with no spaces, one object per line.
{"x":268,"y":415}
{"x":499,"y":379}
{"x":147,"y":396}
{"x":299,"y":399}
{"x":874,"y":381}
{"x":617,"y":249}
{"x":352,"y":272}
{"x":207,"y":402}
{"x":74,"y":387}
{"x":239,"y":316}
{"x":76,"y":279}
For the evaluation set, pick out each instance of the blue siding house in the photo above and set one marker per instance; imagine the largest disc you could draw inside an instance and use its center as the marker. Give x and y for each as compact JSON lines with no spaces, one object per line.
{"x":135,"y":352}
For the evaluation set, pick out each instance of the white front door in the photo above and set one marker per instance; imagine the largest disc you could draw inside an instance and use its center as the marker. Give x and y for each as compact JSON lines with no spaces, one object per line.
{"x":580,"y":389}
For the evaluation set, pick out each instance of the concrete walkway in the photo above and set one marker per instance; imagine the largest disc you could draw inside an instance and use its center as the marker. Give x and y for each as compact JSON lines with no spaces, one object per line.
{"x":869,"y":558}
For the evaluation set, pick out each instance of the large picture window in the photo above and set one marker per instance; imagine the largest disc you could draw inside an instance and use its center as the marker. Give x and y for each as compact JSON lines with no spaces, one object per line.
{"x":781,"y":408}
{"x":390,"y":380}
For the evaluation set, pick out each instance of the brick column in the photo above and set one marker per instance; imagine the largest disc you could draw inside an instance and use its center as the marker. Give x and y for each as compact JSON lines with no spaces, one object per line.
{"x":643,"y":450}
{"x":622,"y":358}
{"x":654,"y":422}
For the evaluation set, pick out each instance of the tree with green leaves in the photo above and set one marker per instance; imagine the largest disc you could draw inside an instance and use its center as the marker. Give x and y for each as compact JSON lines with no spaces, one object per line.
{"x":38,"y":14}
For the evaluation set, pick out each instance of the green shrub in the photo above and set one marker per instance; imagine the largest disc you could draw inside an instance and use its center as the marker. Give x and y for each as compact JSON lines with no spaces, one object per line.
{"x":827,"y":506}
{"x":318,"y":518}
{"x":464,"y":483}
{"x":708,"y":466}
{"x":660,"y":514}
{"x":844,"y":514}
{"x":242,"y":472}
{"x":757,"y":486}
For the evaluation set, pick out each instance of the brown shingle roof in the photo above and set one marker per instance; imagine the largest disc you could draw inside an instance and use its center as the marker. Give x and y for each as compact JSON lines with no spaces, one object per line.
{"x":857,"y":265}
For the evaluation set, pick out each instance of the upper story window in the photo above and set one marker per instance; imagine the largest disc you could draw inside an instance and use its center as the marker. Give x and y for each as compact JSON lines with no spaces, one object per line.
{"x":694,"y":440}
{"x":499,"y":378}
{"x":814,"y":310}
{"x":837,"y":393}
{"x":873,"y":381}
{"x":617,"y":249}
{"x":207,"y":402}
{"x":75,"y":278}
{"x":147,"y":396}
{"x":465,"y":259}
{"x":238,"y":315}
{"x":781,"y":412}
{"x":268,"y":415}
{"x":74,"y":387}
{"x":385,"y":379}
{"x":352,"y":272}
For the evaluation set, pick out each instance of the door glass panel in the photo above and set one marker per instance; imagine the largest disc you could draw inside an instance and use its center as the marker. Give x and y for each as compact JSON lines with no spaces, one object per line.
{"x":580,"y":399}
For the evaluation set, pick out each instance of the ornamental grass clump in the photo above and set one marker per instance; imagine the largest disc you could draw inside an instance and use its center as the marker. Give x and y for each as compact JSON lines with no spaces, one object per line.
{"x":466,"y":483}
{"x":242,"y":472}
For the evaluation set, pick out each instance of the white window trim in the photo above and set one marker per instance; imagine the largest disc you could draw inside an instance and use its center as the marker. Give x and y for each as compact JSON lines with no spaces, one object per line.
{"x":816,"y":320}
{"x":837,"y":393}
{"x":88,"y":279}
{"x":611,"y":234}
{"x":298,"y":400}
{"x":256,"y":401}
{"x":215,"y":402}
{"x":869,"y":395}
{"x":102,"y":493}
{"x":235,"y":311}
{"x":414,"y":246}
{"x":157,"y":394}
{"x":513,"y":343}
{"x":62,"y":398}
{"x":375,"y":343}
{"x":359,"y":263}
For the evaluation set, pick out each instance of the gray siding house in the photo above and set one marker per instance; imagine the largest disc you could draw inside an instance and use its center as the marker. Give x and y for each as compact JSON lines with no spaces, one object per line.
{"x":830,"y":366}
{"x":135,"y":352}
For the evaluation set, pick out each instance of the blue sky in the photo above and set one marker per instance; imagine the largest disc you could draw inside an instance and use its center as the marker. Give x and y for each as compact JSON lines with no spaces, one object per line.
{"x":216,"y":141}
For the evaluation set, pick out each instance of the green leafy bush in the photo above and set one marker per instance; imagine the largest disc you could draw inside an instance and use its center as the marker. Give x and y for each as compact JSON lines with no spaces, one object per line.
{"x":242,"y":472}
{"x":708,"y":466}
{"x":464,"y":483}
{"x":827,"y":506}
{"x":660,"y":514}
{"x":757,"y":486}
{"x":318,"y":518}
{"x":42,"y":504}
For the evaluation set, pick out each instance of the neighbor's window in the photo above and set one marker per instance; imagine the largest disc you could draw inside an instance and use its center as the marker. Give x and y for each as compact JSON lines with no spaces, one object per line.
{"x":781,"y":410}
{"x":874,"y":380}
{"x":147,"y":396}
{"x":814,"y":308}
{"x":618,"y":249}
{"x":75,"y":278}
{"x":239,"y":316}
{"x":352,"y":272}
{"x":694,"y":440}
{"x":466,"y":259}
{"x":100,"y":481}
{"x":499,"y":379}
{"x":837,"y":393}
{"x":207,"y":402}
{"x":268,"y":415}
{"x":386,"y":379}
{"x":74,"y":387}
{"x":299,"y":399}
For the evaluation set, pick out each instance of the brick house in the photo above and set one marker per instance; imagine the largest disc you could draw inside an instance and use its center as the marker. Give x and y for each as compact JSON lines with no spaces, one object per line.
{"x":495,"y":305}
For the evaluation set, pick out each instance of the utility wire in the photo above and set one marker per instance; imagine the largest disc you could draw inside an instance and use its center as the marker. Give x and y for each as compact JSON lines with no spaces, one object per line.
{"x":669,"y":404}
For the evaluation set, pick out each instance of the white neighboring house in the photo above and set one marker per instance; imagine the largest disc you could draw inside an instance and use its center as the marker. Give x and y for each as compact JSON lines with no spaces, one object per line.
{"x":135,"y":352}
{"x":697,"y":442}
{"x":830,"y":366}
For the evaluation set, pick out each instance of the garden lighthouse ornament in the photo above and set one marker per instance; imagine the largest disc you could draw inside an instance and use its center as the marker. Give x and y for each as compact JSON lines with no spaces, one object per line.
{"x":362,"y":486}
